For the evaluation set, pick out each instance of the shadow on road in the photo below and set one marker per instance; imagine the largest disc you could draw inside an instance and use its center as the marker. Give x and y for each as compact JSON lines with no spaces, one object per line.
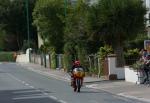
{"x":25,"y":96}
{"x":100,"y":92}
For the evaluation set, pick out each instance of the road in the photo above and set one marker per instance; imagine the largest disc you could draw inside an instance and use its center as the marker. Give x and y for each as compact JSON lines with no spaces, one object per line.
{"x":20,"y":85}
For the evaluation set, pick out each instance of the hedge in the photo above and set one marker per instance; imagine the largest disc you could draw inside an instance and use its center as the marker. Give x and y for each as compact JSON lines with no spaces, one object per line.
{"x":7,"y":57}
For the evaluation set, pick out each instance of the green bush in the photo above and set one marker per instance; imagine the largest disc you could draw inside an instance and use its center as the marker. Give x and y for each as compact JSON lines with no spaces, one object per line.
{"x":104,"y":51}
{"x":93,"y":71}
{"x":137,"y":65}
{"x":67,"y":61}
{"x":53,"y":59}
{"x":82,"y":55}
{"x":138,"y":42}
{"x":7,"y":57}
{"x":69,"y":55}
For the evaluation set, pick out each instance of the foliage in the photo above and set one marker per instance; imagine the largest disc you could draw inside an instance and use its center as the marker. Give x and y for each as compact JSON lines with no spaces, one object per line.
{"x":132,"y":53}
{"x":75,"y":28}
{"x":93,"y":71}
{"x":7,"y":57}
{"x":47,"y":18}
{"x":120,"y":19}
{"x":117,"y":20}
{"x":138,"y":42}
{"x":53,"y":58}
{"x":13,"y":20}
{"x":70,"y":48}
{"x":67,"y":61}
{"x":131,"y":56}
{"x":25,"y":45}
{"x":69,"y":55}
{"x":82,"y":55}
{"x":94,"y":40}
{"x":137,"y":65}
{"x":104,"y":51}
{"x":76,"y":34}
{"x":76,"y":24}
{"x":2,"y":40}
{"x":45,"y":48}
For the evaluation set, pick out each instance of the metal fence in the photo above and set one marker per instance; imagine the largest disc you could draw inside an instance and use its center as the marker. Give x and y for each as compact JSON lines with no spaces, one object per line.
{"x":130,"y":61}
{"x":93,"y":61}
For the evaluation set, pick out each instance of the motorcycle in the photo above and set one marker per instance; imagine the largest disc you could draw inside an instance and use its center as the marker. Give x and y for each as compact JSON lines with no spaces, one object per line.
{"x":78,"y":75}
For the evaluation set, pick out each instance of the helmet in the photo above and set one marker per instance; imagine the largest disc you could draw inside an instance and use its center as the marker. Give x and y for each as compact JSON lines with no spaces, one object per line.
{"x":77,"y":63}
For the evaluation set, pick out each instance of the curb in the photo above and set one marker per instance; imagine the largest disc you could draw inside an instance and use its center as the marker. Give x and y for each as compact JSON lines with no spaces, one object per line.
{"x":133,"y":97}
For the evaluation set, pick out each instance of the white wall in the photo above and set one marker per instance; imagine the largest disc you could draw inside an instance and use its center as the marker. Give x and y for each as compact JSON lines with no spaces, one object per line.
{"x":47,"y":61}
{"x":23,"y":58}
{"x":115,"y":70}
{"x":132,"y":75}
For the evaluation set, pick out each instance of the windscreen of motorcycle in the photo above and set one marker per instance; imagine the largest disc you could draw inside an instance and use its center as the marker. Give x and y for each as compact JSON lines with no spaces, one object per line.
{"x":78,"y":72}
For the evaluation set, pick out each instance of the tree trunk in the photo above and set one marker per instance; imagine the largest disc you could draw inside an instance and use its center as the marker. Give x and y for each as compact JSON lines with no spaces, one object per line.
{"x":118,"y":49}
{"x":18,"y":40}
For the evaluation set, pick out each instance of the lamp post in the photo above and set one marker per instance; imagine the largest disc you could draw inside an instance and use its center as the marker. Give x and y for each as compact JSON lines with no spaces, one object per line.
{"x":27,"y":17}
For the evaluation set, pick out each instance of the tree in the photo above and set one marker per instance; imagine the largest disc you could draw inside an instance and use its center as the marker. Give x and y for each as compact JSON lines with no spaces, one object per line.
{"x":117,"y":21}
{"x":2,"y":40}
{"x":76,"y":29}
{"x":48,"y":16}
{"x":13,"y":21}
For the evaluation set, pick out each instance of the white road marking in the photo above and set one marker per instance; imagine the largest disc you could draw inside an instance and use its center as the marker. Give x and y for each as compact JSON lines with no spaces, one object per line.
{"x":45,"y":93}
{"x":55,"y":98}
{"x":14,"y":78}
{"x":93,"y":101}
{"x":29,"y":97}
{"x":61,"y":101}
{"x":30,"y":68}
{"x":92,"y":86}
{"x":27,"y":84}
{"x":23,"y":82}
{"x":31,"y":86}
{"x":25,"y":91}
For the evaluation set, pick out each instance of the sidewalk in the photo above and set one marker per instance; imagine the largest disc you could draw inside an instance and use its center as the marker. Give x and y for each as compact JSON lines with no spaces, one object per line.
{"x":119,"y":87}
{"x":58,"y":74}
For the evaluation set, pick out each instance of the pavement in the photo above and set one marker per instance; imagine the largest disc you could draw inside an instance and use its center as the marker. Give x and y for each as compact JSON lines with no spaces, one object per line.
{"x":118,"y":87}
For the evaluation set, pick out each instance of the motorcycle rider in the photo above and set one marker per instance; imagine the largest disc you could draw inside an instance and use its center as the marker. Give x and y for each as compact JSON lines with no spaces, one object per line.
{"x":76,"y":64}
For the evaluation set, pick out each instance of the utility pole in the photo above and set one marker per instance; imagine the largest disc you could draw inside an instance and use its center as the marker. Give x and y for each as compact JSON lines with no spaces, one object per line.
{"x":65,"y":4}
{"x":28,"y":26}
{"x":27,"y":17}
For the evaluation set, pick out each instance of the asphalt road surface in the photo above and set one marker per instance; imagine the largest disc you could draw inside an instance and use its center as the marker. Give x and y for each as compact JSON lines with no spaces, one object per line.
{"x":20,"y":85}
